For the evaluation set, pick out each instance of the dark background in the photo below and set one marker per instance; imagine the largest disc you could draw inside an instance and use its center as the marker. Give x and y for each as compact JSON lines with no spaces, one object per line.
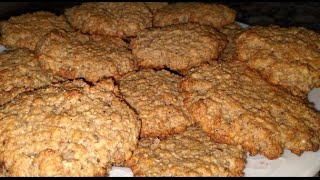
{"x":306,"y":14}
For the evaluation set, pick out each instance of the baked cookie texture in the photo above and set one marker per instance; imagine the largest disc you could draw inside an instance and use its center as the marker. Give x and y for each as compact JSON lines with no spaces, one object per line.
{"x":25,"y":31}
{"x":234,"y":105}
{"x":231,"y":31}
{"x":20,"y":72}
{"x":120,"y":19}
{"x":177,"y":47}
{"x":191,"y":153}
{"x":288,"y":57}
{"x":75,"y":55}
{"x":154,"y":6}
{"x":69,"y":129}
{"x":216,"y":15}
{"x":156,"y":97}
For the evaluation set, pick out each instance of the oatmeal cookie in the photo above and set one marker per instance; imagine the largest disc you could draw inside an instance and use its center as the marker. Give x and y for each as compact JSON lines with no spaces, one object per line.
{"x":75,"y":55}
{"x":69,"y":129}
{"x":20,"y":72}
{"x":178,"y":47}
{"x":216,"y":15}
{"x":234,"y":105}
{"x":155,"y":96}
{"x":288,"y":57}
{"x":25,"y":31}
{"x":190,"y":153}
{"x":120,"y":19}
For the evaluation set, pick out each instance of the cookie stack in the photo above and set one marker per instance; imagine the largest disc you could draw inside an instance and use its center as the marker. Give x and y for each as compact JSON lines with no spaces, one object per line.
{"x":175,"y":89}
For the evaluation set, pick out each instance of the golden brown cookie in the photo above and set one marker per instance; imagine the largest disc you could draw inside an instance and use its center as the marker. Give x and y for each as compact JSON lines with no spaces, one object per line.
{"x":190,"y":153}
{"x":216,"y":15}
{"x":178,"y":47}
{"x":288,"y":57}
{"x":20,"y":72}
{"x":120,"y":19}
{"x":69,"y":129}
{"x":155,"y":96}
{"x":75,"y":55}
{"x":234,"y":105}
{"x":25,"y":31}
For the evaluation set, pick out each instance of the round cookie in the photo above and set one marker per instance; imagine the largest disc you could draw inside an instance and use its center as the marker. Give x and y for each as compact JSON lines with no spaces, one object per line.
{"x":155,"y":96}
{"x":288,"y":57}
{"x":25,"y":31}
{"x":190,"y":153}
{"x":69,"y":129}
{"x":216,"y":15}
{"x":75,"y":55}
{"x":234,"y":105}
{"x":120,"y":19}
{"x":178,"y":47}
{"x":20,"y":72}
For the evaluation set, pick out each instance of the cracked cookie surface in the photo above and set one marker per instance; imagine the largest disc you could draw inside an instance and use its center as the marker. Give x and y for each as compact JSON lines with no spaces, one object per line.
{"x":216,"y":15}
{"x":191,"y":153}
{"x":120,"y":19}
{"x":156,"y":97}
{"x":20,"y":72}
{"x":92,"y":57}
{"x":178,"y":47}
{"x":234,"y":105}
{"x":69,"y":129}
{"x":25,"y":31}
{"x":288,"y":57}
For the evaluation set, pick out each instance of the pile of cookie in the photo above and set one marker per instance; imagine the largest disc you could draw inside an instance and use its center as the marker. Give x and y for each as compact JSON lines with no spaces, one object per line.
{"x":175,"y":89}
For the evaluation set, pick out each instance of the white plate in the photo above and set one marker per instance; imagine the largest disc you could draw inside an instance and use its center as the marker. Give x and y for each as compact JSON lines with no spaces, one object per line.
{"x":289,"y":164}
{"x":2,"y":48}
{"x":243,"y":25}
